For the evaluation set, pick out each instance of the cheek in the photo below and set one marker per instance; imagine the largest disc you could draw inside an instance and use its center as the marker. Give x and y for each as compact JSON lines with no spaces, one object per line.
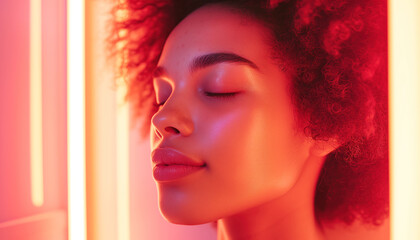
{"x":252,"y":151}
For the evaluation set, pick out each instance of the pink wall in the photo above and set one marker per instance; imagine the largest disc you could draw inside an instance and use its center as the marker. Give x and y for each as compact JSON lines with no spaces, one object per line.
{"x":15,"y":192}
{"x":15,"y":200}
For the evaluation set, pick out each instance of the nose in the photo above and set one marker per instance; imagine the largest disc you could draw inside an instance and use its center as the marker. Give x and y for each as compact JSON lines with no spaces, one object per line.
{"x":173,"y":119}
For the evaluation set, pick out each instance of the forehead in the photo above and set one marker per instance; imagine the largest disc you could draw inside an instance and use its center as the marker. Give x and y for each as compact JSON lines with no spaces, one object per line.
{"x":216,"y":28}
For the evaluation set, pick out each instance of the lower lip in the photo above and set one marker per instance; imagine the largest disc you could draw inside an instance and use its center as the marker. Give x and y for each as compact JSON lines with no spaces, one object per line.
{"x":165,"y":173}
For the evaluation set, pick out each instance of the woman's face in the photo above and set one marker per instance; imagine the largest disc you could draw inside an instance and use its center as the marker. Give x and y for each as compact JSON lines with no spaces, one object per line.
{"x":224,"y":139}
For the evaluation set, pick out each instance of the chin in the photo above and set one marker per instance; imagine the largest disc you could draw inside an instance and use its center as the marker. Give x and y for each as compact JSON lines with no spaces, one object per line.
{"x":182,"y":215}
{"x":179,"y":205}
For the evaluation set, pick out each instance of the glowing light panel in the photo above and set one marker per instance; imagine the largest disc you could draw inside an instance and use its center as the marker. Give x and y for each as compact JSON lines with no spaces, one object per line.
{"x":404,"y":40}
{"x":123,"y":158}
{"x":123,"y":167}
{"x":35,"y":104}
{"x":76,"y":119}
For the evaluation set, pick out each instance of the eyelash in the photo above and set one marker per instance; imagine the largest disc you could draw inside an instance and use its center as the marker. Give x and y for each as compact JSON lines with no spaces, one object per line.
{"x":221,"y":95}
{"x":208,"y":94}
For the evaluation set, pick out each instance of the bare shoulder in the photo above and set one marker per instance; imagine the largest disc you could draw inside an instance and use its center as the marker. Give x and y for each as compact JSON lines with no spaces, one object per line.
{"x":357,"y":231}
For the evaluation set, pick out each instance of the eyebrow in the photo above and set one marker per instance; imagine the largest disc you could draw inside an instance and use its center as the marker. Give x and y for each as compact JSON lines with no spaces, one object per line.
{"x":211,"y":59}
{"x":215,"y":58}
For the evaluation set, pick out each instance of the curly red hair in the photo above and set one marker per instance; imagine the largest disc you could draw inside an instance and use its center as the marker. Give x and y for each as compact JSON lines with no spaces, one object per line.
{"x":336,"y":53}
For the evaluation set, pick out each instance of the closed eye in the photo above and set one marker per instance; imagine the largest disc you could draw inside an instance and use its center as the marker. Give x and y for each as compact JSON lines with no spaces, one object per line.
{"x":221,"y":95}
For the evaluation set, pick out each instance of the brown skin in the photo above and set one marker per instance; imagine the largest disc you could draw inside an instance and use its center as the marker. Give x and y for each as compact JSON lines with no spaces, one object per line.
{"x":261,"y":170}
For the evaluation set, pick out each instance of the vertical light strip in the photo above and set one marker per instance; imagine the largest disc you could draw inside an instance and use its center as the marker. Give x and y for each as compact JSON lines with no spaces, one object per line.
{"x":123,"y":166}
{"x":404,"y":40}
{"x":35,"y":98}
{"x":76,"y":119}
{"x":123,"y":156}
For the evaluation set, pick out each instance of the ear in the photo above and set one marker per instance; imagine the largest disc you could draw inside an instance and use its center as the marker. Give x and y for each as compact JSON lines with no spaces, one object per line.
{"x":322,"y":148}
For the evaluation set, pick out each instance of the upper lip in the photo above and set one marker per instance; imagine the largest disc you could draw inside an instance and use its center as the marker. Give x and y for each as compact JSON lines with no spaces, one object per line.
{"x":170,"y":156}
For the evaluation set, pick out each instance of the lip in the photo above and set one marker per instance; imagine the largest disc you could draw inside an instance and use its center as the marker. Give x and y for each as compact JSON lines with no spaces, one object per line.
{"x":171,"y":165}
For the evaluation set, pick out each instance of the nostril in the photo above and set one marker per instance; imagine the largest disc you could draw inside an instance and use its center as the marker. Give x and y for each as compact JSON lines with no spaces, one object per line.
{"x":172,"y":130}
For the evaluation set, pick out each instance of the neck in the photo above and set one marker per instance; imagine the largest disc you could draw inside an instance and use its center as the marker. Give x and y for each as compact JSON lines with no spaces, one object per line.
{"x":288,"y":217}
